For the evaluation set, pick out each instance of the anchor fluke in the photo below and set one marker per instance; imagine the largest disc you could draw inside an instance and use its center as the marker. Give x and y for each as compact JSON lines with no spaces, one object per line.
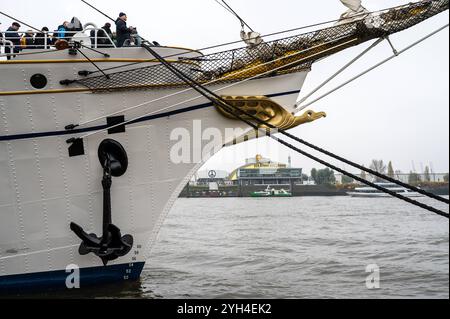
{"x":113,"y":247}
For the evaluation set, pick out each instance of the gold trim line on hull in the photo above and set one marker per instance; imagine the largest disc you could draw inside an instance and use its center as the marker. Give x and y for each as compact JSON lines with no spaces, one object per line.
{"x":55,"y":61}
{"x":56,"y":91}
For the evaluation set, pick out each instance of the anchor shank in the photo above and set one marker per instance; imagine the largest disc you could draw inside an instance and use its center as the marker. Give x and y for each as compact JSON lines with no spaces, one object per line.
{"x":107,"y":215}
{"x":107,"y":219}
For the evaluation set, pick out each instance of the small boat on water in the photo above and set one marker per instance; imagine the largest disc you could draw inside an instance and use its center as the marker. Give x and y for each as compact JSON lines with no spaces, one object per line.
{"x":370,"y":192}
{"x":272,"y":192}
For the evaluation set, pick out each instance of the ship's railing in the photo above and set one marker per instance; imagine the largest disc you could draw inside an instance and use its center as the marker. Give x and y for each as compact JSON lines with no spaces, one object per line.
{"x":46,"y":40}
{"x":6,"y":43}
{"x":17,"y":42}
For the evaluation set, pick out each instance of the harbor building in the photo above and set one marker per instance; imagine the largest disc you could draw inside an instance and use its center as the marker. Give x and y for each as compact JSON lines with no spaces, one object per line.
{"x":208,"y":176}
{"x":263,"y":171}
{"x":263,"y":177}
{"x":258,"y":176}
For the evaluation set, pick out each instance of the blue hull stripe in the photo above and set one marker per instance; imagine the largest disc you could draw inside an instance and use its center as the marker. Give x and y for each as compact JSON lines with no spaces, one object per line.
{"x":104,"y":127}
{"x":57,"y":279}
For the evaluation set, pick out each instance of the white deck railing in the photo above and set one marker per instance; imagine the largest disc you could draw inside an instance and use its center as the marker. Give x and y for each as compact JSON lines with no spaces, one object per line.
{"x":45,"y":40}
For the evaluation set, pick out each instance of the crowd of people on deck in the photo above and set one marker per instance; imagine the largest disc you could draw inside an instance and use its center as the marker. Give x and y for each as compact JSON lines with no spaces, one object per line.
{"x":103,"y":38}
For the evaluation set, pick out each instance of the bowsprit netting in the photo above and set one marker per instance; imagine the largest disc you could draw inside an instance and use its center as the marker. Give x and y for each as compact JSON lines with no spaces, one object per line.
{"x":283,"y":56}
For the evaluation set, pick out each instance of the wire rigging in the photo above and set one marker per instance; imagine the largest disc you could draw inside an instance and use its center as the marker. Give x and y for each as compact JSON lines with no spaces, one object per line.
{"x":236,"y":112}
{"x":220,"y":89}
{"x":379,"y":64}
{"x":17,"y":20}
{"x":215,"y":46}
{"x":101,"y":12}
{"x":227,"y":7}
{"x":323,"y":151}
{"x":223,"y":6}
{"x":212,"y":82}
{"x":372,"y":172}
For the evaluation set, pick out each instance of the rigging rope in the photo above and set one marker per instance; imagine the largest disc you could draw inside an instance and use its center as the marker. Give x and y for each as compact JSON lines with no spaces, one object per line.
{"x":90,"y":5}
{"x":321,"y":85}
{"x":14,"y":19}
{"x":195,"y":98}
{"x":27,"y":53}
{"x":227,"y":7}
{"x":224,"y":6}
{"x":211,"y":82}
{"x":216,"y":99}
{"x":93,"y":82}
{"x":215,"y":46}
{"x":423,"y":192}
{"x":396,"y":54}
{"x":372,"y":172}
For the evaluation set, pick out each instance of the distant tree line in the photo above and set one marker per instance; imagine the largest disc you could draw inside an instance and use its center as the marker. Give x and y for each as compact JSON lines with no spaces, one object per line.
{"x":327,"y":177}
{"x":323,"y":176}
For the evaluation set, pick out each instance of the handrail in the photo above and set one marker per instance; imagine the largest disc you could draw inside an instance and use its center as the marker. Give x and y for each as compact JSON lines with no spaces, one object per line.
{"x":4,"y":44}
{"x":49,"y":37}
{"x":96,"y":37}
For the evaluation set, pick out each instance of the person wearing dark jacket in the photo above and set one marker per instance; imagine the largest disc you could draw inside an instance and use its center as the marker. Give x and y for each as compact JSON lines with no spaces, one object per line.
{"x":107,"y":28}
{"x":28,"y":40}
{"x":102,"y":36}
{"x":73,"y":27}
{"x":42,"y":39}
{"x":12,"y":35}
{"x":123,"y":32}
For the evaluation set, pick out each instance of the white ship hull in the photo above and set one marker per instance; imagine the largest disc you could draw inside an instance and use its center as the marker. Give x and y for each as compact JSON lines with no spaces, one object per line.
{"x":43,"y":190}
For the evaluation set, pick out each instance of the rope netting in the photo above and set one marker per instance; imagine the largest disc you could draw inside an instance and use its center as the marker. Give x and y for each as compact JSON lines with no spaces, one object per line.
{"x":297,"y":53}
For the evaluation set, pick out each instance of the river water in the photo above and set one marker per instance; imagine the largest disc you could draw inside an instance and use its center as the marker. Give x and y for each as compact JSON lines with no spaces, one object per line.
{"x":303,"y":247}
{"x":306,"y":247}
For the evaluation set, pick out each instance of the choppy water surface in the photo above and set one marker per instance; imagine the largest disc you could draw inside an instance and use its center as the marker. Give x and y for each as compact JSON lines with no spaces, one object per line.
{"x":293,"y":248}
{"x":298,"y":248}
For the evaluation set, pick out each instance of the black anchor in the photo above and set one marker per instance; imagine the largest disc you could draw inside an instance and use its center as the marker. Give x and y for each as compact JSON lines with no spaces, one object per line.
{"x":112,"y":244}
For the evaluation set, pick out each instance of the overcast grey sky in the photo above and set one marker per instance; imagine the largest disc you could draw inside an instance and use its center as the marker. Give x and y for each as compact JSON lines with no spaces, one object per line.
{"x":399,"y":112}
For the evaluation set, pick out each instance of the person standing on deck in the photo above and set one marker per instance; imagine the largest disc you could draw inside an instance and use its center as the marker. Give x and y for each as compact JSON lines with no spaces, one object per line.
{"x":42,"y":39}
{"x":62,"y":30}
{"x":107,"y":32}
{"x":73,"y":27}
{"x":123,"y":33}
{"x":12,"y":35}
{"x":102,"y":36}
{"x":27,"y":41}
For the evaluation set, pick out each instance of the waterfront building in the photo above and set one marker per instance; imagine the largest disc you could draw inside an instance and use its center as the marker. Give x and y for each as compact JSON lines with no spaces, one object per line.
{"x":263,"y":171}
